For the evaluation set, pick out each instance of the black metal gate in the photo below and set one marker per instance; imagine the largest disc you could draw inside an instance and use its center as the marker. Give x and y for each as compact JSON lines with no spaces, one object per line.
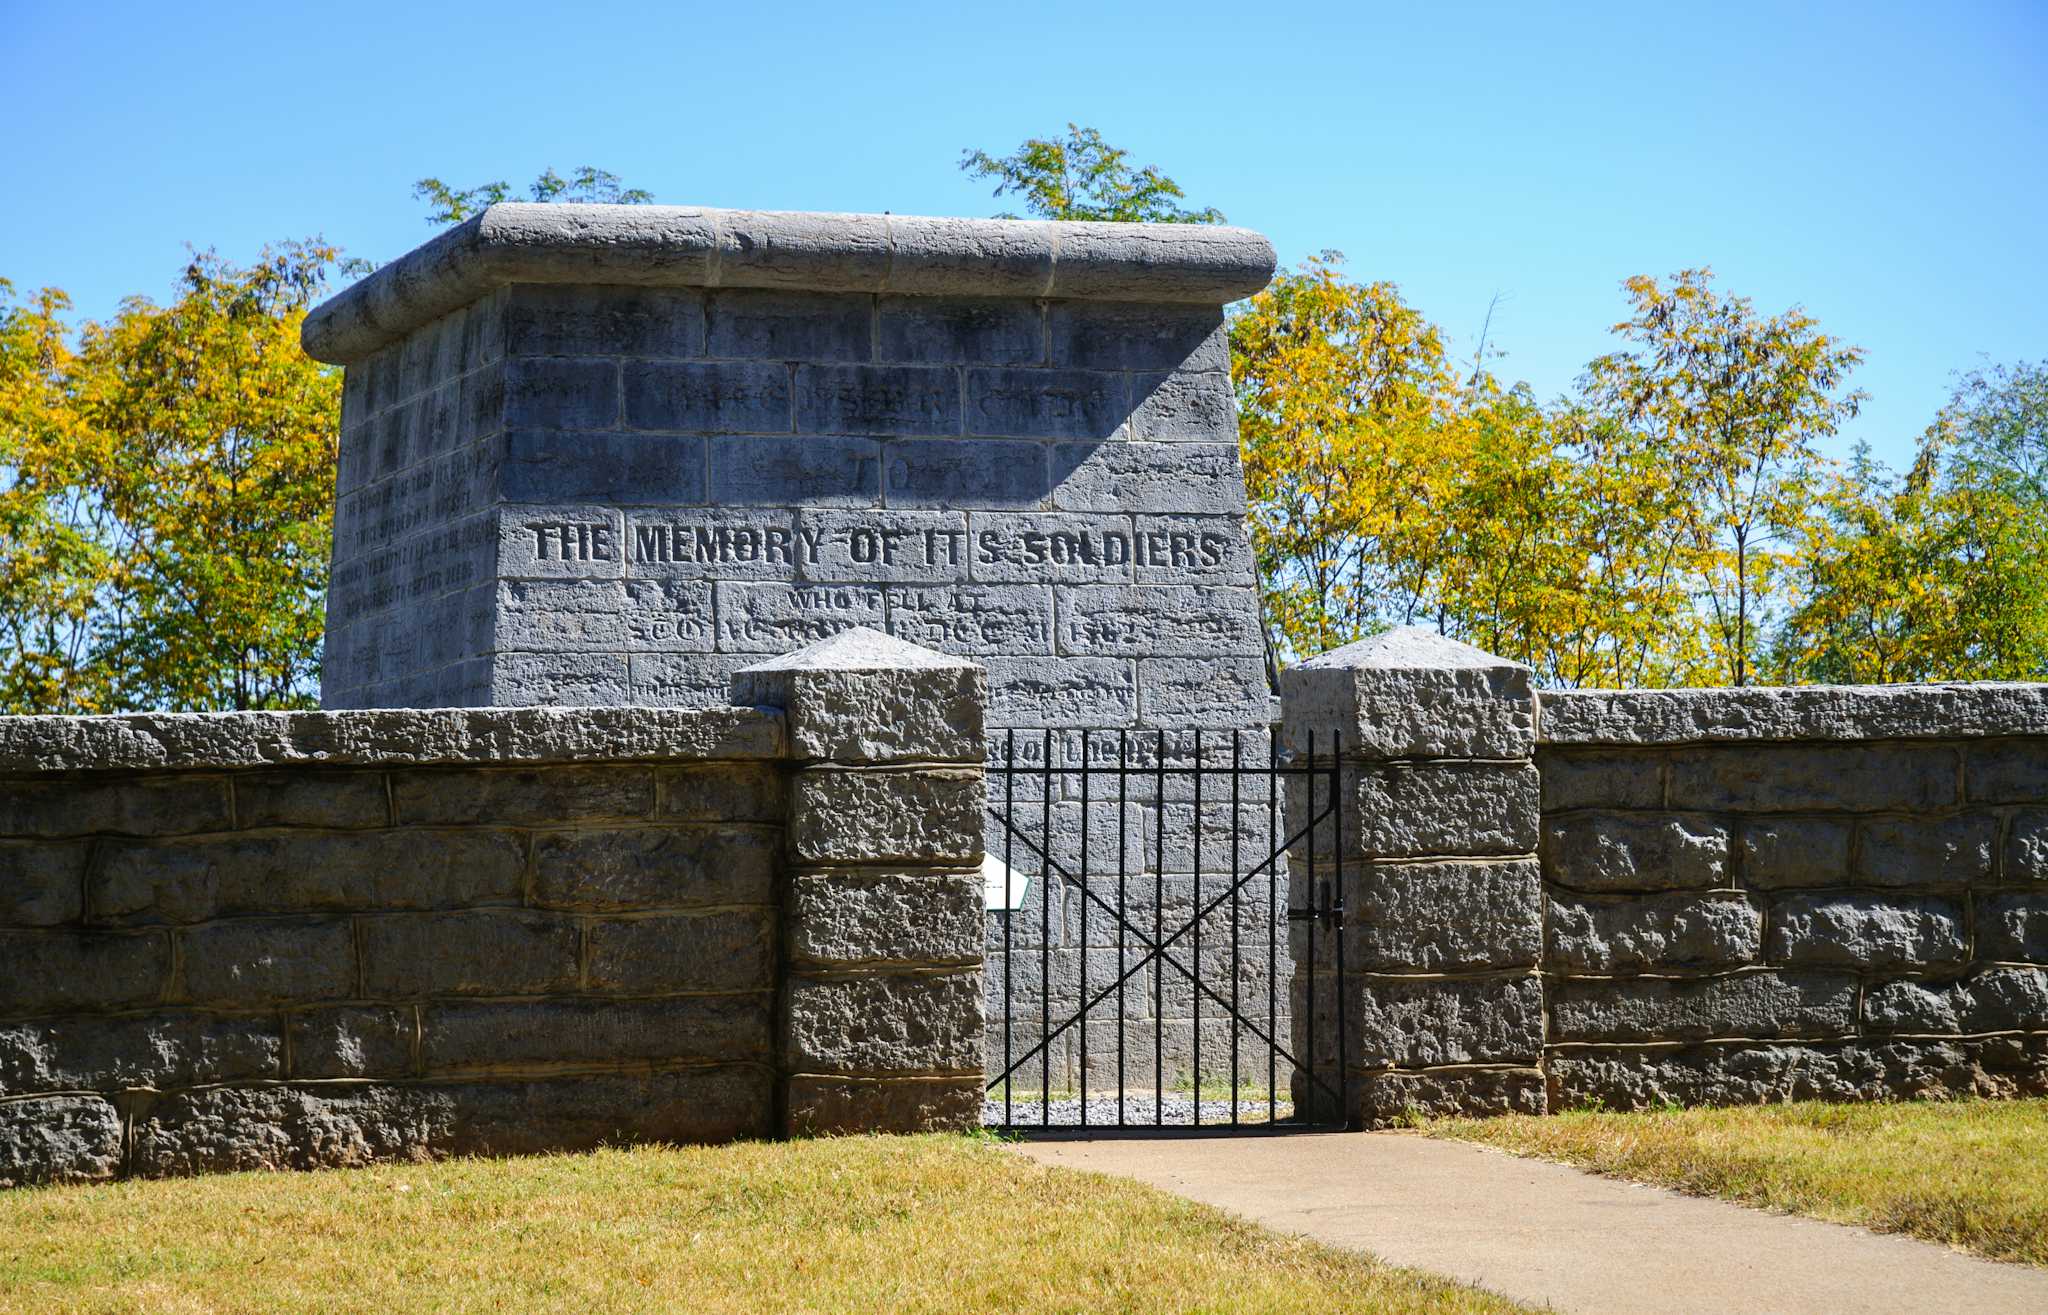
{"x":1132,"y":846}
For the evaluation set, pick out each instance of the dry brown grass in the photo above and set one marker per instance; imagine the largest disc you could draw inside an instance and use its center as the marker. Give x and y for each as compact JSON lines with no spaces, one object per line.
{"x":858,"y":1224}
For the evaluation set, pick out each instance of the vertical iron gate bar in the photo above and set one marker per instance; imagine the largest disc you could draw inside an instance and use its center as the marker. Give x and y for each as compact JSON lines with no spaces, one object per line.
{"x":1236,"y":765}
{"x":1084,"y":928}
{"x":1123,"y":792}
{"x":1275,"y":922}
{"x":1337,"y":907}
{"x":1045,"y":940}
{"x":1009,"y":907}
{"x":1196,"y":994}
{"x":1308,"y":1050}
{"x":1159,"y":931}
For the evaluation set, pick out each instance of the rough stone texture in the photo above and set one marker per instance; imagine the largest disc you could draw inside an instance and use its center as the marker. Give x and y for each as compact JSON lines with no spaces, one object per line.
{"x":59,"y":1139}
{"x":1808,"y":712}
{"x":865,"y":696}
{"x":1420,"y":810}
{"x":1391,"y":1099}
{"x":1995,"y":999}
{"x":1423,"y":1023}
{"x":887,"y":815}
{"x":843,"y":919}
{"x":1445,"y":916}
{"x":1410,"y":693}
{"x":1867,"y":931}
{"x":1753,"y":1074}
{"x":1651,"y":933}
{"x":822,"y":1106}
{"x":880,"y":1024}
{"x":173,"y":1048}
{"x":1635,"y":851}
{"x":1765,"y":1005}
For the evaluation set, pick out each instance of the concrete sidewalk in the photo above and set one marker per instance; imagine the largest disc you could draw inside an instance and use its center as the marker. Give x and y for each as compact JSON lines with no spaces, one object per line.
{"x":1544,"y":1233}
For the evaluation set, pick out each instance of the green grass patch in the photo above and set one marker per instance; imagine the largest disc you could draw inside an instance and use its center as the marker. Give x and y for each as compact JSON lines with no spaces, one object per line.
{"x":854,"y":1224}
{"x":1971,"y":1174}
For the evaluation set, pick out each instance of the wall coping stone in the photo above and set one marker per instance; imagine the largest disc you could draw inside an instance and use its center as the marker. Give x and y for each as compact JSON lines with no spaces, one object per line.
{"x":1810,"y":712}
{"x":393,"y":736}
{"x":694,"y":246}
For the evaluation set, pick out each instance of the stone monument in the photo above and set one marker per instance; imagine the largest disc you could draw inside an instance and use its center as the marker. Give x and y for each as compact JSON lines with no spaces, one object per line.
{"x":612,"y":454}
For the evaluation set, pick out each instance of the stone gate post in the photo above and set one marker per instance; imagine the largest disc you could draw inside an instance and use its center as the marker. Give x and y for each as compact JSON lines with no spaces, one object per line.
{"x":1441,"y":887}
{"x":881,"y":1013}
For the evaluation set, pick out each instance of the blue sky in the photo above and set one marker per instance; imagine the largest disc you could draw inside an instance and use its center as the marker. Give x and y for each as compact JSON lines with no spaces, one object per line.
{"x":1881,"y":164}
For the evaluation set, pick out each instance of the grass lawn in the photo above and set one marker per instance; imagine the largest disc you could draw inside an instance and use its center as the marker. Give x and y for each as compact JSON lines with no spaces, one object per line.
{"x":1972,"y":1174}
{"x":856,"y":1224}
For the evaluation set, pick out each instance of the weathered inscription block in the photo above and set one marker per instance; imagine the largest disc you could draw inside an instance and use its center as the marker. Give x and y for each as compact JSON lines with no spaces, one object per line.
{"x":611,"y":454}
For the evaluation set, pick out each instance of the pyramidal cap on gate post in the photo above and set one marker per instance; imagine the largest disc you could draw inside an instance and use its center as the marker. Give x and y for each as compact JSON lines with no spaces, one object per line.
{"x":614,"y":454}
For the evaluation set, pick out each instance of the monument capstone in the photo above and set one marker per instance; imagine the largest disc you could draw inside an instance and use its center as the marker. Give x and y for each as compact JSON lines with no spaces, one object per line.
{"x":612,"y":454}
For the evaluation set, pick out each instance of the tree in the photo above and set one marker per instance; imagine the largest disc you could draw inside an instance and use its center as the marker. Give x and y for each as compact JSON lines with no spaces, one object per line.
{"x":449,"y":206}
{"x":1081,"y":176}
{"x":166,"y":487}
{"x":1741,"y":400}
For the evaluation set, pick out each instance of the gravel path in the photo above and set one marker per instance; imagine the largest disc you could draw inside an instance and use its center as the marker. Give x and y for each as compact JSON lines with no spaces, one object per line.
{"x":1138,"y":1109}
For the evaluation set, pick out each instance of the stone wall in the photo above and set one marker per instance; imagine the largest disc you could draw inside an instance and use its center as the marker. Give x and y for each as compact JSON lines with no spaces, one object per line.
{"x":1796,"y":894}
{"x":284,"y":940}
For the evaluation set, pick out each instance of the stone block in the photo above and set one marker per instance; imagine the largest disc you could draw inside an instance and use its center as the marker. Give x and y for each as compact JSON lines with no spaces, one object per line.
{"x":1037,"y":403}
{"x":861,"y":696}
{"x":353,"y":1041}
{"x":540,"y":465}
{"x":824,"y":1106}
{"x":1189,"y":692}
{"x":257,"y":961}
{"x":683,"y":680}
{"x":1411,"y":693}
{"x":1773,"y":1074}
{"x":59,"y":1139}
{"x":1425,"y":1022}
{"x":1429,"y":810}
{"x":197,"y":880}
{"x":2009,"y":771}
{"x":1390,"y":1100}
{"x":333,"y":1125}
{"x":1578,"y":778}
{"x":2013,"y":927}
{"x":812,"y":471}
{"x":1191,"y":550}
{"x":701,"y":543}
{"x":339,"y":800}
{"x":1996,"y":999}
{"x":1062,"y":691}
{"x":664,"y":953}
{"x":41,"y":885}
{"x":1031,"y":547}
{"x":1783,"y":852}
{"x":1157,"y":621}
{"x":1867,"y":931}
{"x":1807,"y":712}
{"x":884,"y":1023}
{"x":1183,"y":406}
{"x":720,"y":792}
{"x":985,"y":475}
{"x":780,"y":618}
{"x":2026,"y":846}
{"x":877,"y":399}
{"x":567,"y":680}
{"x":1636,"y":851}
{"x":856,"y":815}
{"x":479,"y":952}
{"x":883,"y":546}
{"x":973,"y":620}
{"x":1797,"y":778}
{"x":709,"y":397}
{"x":1108,"y":335}
{"x":57,"y":970}
{"x":960,"y":330}
{"x":1925,"y":852}
{"x":171,"y":1048}
{"x":1437,"y":917}
{"x":1763,"y":1005}
{"x":562,"y":616}
{"x":553,"y":319}
{"x":456,"y":1038}
{"x":554,"y":392}
{"x":148,"y":806}
{"x":856,"y":918}
{"x":790,"y":326}
{"x":519,"y":796}
{"x":1189,"y":477}
{"x":1649,"y":933}
{"x":563,"y":541}
{"x":604,"y":869}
